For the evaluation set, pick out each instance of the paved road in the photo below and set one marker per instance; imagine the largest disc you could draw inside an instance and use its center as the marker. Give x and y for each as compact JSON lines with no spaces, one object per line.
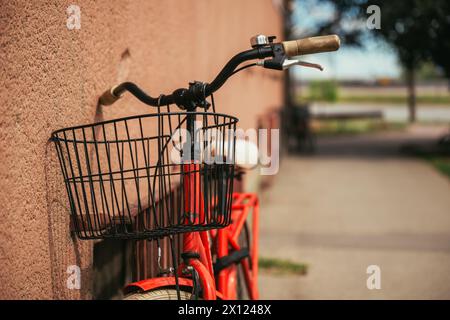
{"x":359,"y":202}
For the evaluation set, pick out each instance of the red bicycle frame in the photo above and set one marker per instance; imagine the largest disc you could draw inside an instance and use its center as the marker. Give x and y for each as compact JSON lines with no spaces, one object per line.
{"x":219,"y":243}
{"x":244,"y":205}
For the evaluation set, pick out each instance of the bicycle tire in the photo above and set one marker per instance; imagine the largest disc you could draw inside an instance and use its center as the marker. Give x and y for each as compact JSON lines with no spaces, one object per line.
{"x":244,"y":240}
{"x":159,"y":294}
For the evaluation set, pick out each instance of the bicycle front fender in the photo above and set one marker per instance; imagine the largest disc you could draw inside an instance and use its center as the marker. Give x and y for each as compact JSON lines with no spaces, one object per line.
{"x":161,"y":282}
{"x":154,"y":283}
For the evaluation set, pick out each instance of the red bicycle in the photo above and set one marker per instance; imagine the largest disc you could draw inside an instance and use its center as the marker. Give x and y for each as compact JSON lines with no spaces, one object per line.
{"x":168,"y":173}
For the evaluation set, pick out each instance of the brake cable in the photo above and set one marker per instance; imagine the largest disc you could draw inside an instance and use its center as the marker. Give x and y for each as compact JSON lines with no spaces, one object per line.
{"x":244,"y":67}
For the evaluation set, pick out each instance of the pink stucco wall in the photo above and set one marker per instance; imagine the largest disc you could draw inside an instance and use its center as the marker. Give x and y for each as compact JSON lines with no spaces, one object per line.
{"x":51,"y":77}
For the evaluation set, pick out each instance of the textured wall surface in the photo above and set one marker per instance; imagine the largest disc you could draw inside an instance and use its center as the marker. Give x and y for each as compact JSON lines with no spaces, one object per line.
{"x":51,"y":77}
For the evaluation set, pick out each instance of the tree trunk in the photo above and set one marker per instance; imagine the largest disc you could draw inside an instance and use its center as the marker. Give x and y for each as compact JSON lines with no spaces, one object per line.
{"x":287,"y":82}
{"x":411,"y":84}
{"x":287,"y":31}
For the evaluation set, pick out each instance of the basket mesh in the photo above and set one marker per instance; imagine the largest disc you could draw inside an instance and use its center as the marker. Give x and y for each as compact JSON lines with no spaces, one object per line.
{"x":147,"y":176}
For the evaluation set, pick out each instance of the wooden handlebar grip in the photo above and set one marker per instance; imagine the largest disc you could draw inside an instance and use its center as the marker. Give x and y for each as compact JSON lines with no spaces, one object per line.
{"x":108,"y":97}
{"x":311,"y":45}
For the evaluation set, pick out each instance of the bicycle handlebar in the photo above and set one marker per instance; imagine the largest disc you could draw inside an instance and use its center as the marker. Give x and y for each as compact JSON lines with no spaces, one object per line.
{"x":197,"y":92}
{"x":112,"y":95}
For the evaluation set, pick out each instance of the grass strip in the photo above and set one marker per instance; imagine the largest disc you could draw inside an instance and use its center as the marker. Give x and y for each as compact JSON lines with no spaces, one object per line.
{"x":280,"y":266}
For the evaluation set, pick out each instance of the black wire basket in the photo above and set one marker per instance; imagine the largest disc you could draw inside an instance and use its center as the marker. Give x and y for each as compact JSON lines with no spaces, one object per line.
{"x":149,"y":176}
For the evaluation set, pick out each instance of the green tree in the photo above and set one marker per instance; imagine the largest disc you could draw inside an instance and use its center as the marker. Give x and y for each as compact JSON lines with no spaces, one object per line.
{"x":417,"y":29}
{"x":439,"y":32}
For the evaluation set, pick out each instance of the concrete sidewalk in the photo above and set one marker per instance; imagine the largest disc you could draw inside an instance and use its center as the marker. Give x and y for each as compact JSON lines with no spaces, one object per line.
{"x":358,"y":202}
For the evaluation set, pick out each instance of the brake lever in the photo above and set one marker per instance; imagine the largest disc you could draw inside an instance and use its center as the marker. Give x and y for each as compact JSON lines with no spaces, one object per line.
{"x":288,"y":63}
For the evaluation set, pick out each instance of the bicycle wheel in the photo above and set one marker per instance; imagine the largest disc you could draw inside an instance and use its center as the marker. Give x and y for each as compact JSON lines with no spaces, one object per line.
{"x":159,"y":294}
{"x":244,"y":242}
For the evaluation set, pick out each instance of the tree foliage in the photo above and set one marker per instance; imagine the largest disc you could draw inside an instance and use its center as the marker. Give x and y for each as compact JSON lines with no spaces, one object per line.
{"x":418,"y":30}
